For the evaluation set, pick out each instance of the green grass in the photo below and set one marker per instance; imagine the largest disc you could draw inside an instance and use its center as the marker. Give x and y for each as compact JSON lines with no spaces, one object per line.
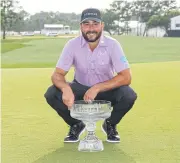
{"x":11,"y":44}
{"x":143,"y":49}
{"x":44,"y":53}
{"x":39,"y":53}
{"x":33,"y":133}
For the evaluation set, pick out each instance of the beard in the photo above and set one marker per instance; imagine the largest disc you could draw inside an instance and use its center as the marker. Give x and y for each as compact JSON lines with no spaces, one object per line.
{"x":89,"y":38}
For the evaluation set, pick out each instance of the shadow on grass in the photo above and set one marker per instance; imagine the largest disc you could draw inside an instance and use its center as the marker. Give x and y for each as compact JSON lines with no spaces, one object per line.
{"x":69,"y":154}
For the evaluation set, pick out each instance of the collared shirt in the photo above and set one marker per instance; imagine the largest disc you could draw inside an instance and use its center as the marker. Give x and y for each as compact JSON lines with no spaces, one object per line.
{"x":92,"y":67}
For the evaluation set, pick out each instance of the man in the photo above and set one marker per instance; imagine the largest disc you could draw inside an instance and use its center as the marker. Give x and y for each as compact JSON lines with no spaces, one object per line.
{"x":95,"y":57}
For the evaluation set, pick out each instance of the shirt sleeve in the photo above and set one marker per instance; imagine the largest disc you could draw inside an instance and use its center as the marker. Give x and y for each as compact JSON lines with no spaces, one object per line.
{"x":66,"y":58}
{"x":118,"y":58}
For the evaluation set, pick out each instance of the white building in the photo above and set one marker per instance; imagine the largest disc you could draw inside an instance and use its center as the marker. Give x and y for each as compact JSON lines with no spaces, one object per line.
{"x":137,"y":29}
{"x":55,"y":29}
{"x":174,"y":30}
{"x":175,"y":23}
{"x":10,"y":33}
{"x":27,"y":33}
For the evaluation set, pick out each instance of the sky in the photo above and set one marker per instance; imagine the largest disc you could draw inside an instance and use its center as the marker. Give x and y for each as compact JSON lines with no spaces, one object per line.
{"x":67,"y":6}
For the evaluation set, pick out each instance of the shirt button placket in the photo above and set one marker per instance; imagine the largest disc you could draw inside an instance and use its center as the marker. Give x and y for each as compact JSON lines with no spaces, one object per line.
{"x":91,"y":66}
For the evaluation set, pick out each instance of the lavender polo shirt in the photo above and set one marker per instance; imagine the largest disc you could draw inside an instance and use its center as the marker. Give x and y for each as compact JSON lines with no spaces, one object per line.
{"x":92,"y":67}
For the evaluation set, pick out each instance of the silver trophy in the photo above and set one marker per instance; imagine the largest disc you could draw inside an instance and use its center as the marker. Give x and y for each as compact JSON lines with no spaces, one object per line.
{"x":90,"y":113}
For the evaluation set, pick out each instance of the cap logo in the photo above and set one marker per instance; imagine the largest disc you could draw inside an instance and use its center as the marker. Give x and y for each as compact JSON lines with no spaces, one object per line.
{"x":92,"y":14}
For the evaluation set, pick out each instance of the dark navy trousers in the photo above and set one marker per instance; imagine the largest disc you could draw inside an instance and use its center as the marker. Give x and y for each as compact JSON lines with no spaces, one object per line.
{"x":122,"y":100}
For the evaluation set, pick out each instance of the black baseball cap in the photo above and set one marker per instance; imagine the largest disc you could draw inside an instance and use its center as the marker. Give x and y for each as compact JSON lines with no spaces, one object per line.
{"x":91,"y":14}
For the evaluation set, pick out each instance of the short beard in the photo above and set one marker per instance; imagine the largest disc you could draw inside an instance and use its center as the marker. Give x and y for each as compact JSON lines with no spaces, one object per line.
{"x":94,"y":40}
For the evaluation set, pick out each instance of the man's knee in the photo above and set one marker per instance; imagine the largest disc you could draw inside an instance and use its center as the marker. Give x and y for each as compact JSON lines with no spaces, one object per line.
{"x":51,"y":93}
{"x":127,"y":94}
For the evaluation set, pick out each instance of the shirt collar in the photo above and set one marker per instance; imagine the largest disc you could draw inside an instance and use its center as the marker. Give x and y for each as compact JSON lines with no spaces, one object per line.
{"x":102,"y":41}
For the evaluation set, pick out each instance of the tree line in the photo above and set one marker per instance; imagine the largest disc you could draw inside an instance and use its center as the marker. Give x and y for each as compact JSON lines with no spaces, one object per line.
{"x":153,"y":13}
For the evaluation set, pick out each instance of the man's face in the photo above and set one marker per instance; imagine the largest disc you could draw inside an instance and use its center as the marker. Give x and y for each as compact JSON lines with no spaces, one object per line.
{"x":91,"y":30}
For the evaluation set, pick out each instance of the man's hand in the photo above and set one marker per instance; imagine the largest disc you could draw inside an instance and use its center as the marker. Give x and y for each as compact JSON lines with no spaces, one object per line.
{"x":68,"y":97}
{"x":91,"y":93}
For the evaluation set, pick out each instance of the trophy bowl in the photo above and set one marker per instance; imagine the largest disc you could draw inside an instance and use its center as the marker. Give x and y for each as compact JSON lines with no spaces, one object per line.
{"x":90,"y":113}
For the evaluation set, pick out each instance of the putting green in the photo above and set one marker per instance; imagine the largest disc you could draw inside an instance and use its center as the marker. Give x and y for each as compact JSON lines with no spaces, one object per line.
{"x":33,"y":133}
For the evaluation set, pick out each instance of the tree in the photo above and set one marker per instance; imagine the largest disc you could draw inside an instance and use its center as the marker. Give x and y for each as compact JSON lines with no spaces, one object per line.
{"x":123,"y":10}
{"x":162,"y":21}
{"x":144,"y":10}
{"x":109,"y":17}
{"x":158,"y":21}
{"x":19,"y":22}
{"x":8,"y":14}
{"x":173,"y":13}
{"x":37,"y":20}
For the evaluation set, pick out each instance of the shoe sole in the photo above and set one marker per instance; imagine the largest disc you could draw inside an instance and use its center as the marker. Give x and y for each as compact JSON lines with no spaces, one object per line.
{"x":109,"y":141}
{"x":78,"y":137}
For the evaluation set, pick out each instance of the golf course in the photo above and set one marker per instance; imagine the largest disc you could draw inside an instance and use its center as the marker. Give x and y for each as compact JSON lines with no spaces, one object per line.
{"x":32,"y":132}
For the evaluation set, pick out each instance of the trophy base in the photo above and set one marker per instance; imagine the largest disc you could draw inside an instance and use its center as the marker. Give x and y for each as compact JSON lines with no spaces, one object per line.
{"x":90,"y":146}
